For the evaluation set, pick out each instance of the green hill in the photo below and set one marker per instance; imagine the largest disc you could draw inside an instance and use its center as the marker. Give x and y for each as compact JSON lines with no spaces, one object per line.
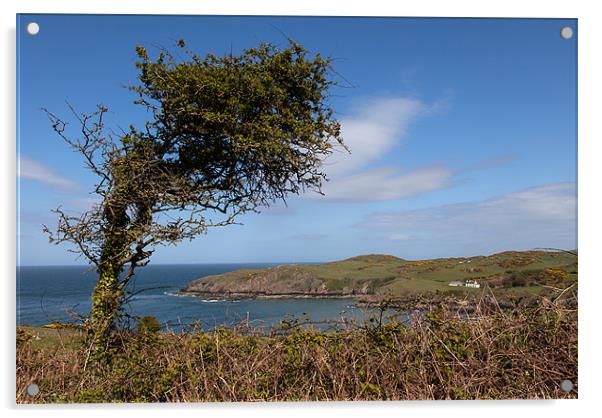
{"x":386,"y":275}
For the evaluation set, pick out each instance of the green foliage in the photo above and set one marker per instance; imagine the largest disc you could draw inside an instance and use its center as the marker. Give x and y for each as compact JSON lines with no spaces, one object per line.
{"x":459,"y":394}
{"x":149,"y":325}
{"x":300,"y":338}
{"x":551,"y":275}
{"x":205,"y":346}
{"x":147,"y":330}
{"x":261,"y":116}
{"x":370,"y":390}
{"x":387,"y":335}
{"x":436,"y":316}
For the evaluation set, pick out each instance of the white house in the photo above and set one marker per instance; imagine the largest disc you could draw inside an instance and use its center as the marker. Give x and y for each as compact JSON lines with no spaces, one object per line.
{"x":471,"y":283}
{"x":466,"y":283}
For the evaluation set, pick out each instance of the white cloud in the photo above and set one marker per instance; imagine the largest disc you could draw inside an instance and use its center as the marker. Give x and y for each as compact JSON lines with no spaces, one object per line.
{"x":36,"y":171}
{"x":387,"y":183}
{"x":376,"y":129}
{"x":542,"y":216}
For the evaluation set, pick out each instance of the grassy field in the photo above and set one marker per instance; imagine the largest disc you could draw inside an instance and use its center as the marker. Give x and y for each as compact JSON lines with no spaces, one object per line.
{"x":522,"y":353}
{"x":518,"y":272}
{"x":392,"y":275}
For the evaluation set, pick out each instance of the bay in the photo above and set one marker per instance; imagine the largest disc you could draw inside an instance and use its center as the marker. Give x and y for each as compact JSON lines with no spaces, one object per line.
{"x":51,"y":294}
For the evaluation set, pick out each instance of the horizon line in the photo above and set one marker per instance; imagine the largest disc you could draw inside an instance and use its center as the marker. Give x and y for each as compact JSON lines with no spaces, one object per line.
{"x":544,"y":249}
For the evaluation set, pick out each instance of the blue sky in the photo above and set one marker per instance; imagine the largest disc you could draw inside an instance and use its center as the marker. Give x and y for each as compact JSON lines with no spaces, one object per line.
{"x":462,"y":133}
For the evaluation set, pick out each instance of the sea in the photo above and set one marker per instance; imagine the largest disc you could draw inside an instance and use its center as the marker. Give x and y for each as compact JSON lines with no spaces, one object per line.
{"x":61,"y":294}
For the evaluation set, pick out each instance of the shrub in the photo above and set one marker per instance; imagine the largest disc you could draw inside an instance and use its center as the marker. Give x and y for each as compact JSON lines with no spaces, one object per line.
{"x":444,"y":353}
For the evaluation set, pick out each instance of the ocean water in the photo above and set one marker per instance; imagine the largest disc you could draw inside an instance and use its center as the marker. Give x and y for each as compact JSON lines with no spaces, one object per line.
{"x":47,"y":294}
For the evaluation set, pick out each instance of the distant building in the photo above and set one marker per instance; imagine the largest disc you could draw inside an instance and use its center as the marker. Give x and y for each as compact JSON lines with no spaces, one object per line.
{"x":466,"y":283}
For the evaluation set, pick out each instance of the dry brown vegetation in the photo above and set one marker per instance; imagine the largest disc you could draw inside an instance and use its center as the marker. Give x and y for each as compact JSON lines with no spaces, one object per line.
{"x":444,"y":353}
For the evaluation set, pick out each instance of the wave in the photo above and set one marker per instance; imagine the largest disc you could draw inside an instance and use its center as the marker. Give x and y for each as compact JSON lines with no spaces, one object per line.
{"x":219,"y":300}
{"x":174,"y":294}
{"x":146,"y":297}
{"x":201,"y":300}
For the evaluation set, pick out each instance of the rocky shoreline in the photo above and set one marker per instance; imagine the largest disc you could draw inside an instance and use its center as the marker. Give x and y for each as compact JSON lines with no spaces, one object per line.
{"x":409,"y":303}
{"x":264,"y":295}
{"x":281,"y":282}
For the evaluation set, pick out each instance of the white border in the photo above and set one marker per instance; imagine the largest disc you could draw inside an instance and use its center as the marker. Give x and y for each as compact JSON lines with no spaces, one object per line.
{"x":590,"y":210}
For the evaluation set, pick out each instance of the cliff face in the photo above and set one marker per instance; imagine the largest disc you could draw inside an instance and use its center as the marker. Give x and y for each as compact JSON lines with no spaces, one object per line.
{"x":283,"y":281}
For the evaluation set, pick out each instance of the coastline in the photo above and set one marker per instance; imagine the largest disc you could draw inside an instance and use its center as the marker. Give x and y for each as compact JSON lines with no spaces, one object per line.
{"x":264,"y":295}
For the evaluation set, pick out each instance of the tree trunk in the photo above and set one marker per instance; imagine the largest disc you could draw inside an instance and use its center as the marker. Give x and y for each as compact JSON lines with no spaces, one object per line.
{"x":106,"y":302}
{"x":107,"y":296}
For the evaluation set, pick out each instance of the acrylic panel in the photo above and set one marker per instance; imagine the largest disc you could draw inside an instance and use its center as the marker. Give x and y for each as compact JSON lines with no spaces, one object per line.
{"x":294,"y":208}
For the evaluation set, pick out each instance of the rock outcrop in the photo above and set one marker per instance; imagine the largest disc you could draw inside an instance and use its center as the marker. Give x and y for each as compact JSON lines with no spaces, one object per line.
{"x":276,"y":282}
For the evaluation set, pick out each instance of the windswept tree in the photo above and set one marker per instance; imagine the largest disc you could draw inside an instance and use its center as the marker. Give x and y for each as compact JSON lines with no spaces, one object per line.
{"x":225,"y":136}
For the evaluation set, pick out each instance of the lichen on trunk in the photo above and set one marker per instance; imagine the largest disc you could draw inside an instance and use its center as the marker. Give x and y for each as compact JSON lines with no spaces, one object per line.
{"x":108,"y":294}
{"x":106,"y":302}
